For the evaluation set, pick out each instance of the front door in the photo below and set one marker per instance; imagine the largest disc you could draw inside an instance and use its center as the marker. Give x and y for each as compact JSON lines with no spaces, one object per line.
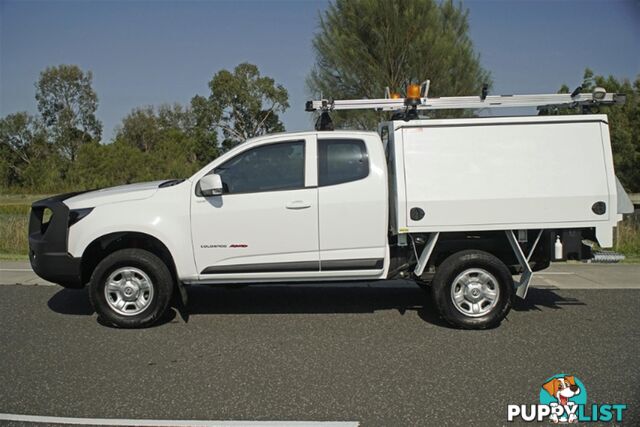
{"x":266,"y":221}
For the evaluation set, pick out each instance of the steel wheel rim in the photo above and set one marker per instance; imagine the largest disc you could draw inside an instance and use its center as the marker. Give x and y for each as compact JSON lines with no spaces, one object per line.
{"x":128,"y":291}
{"x":475,"y":292}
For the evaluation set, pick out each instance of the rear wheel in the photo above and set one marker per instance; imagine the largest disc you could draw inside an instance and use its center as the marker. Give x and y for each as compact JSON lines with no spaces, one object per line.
{"x":473,"y":289}
{"x":131,"y":288}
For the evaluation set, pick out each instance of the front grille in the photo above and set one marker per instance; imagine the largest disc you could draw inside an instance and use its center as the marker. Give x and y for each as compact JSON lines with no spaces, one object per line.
{"x":40,"y":219}
{"x":49,"y":224}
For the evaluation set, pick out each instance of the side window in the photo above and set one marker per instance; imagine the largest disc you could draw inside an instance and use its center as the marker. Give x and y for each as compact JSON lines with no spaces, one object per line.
{"x":278,"y":166}
{"x":341,"y":160}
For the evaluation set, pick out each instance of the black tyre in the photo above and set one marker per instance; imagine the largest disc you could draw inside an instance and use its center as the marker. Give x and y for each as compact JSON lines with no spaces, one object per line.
{"x":131,"y":288}
{"x":473,"y":290}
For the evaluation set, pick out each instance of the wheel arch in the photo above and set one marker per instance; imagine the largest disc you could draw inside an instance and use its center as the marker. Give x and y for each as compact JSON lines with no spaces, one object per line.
{"x":492,"y":242}
{"x":107,"y":244}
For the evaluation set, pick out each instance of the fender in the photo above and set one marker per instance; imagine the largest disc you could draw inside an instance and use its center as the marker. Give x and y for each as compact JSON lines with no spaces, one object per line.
{"x":95,"y":251}
{"x":166,"y":222}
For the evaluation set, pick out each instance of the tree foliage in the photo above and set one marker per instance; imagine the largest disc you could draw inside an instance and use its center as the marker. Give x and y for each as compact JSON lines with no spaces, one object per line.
{"x":364,"y":46}
{"x":27,"y":159}
{"x":151,"y":143}
{"x":105,"y":165}
{"x":624,"y":124}
{"x":243,"y":104}
{"x":67,"y":104}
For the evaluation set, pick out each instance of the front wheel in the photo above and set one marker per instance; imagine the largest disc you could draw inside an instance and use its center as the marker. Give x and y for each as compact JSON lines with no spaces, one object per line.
{"x":131,"y":288}
{"x":473,"y":289}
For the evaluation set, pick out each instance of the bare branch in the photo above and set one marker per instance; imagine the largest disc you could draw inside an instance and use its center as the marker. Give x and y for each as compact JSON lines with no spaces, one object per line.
{"x":230,"y":130}
{"x":266,"y":116}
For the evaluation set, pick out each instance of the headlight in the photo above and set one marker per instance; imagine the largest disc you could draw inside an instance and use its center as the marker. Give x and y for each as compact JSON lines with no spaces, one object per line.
{"x":76,"y":215}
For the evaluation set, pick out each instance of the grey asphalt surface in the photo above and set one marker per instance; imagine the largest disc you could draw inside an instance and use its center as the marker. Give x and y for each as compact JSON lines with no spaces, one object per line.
{"x":378,"y":355}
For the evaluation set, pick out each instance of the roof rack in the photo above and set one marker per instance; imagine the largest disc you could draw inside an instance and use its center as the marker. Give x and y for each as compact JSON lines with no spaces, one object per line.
{"x":543,"y":101}
{"x":557,"y":100}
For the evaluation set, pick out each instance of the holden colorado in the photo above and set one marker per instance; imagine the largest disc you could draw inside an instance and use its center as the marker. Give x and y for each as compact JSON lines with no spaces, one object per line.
{"x":460,"y":206}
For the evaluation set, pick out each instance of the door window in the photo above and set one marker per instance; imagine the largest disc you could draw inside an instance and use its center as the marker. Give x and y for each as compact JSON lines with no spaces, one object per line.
{"x":341,"y":160}
{"x":278,"y":166}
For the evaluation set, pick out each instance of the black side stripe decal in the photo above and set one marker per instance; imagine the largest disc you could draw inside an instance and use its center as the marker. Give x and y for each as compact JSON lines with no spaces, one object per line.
{"x":273,"y":267}
{"x":297,"y":266}
{"x":352,"y":264}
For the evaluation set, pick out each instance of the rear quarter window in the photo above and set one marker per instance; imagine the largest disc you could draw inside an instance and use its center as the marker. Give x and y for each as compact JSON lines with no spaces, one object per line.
{"x":341,"y":161}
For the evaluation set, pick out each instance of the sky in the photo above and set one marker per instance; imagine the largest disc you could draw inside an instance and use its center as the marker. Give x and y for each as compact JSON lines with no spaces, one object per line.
{"x":153,"y":52}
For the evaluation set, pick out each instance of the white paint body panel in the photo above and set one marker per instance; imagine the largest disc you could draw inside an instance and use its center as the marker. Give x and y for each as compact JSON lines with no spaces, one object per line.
{"x":353,"y":215}
{"x":271,"y":232}
{"x":505,"y":174}
{"x":163,"y":215}
{"x":117,"y":194}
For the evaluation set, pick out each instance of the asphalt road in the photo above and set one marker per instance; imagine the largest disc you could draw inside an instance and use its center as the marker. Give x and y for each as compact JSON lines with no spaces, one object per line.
{"x":376,"y":355}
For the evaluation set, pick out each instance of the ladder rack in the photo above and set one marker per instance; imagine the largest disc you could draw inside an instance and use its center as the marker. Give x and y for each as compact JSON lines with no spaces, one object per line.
{"x":542,"y":101}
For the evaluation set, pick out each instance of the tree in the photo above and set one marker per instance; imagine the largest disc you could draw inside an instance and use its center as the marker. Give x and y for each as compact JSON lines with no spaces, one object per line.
{"x":17,"y":133}
{"x":145,"y":128}
{"x":27,"y":159}
{"x":364,"y":46}
{"x":242,"y":104}
{"x":151,"y":143}
{"x":105,"y":165}
{"x":624,"y":124}
{"x":67,"y":104}
{"x":205,"y":130}
{"x":140,"y":129}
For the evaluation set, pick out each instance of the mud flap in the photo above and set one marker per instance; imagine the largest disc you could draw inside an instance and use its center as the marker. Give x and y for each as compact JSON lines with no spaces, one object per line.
{"x":522,"y":286}
{"x":184,"y":300}
{"x":183,"y":294}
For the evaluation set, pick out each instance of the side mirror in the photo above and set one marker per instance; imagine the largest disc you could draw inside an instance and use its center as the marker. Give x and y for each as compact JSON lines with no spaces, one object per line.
{"x":211,"y":185}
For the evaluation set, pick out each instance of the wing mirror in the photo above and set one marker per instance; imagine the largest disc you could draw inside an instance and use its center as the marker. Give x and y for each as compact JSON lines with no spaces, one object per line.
{"x":211,"y":185}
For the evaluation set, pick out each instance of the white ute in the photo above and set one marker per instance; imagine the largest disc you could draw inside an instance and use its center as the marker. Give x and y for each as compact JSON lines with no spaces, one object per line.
{"x":460,"y":205}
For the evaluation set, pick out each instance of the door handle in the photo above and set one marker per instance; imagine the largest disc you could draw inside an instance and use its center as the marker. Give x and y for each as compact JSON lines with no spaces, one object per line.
{"x":298,"y":204}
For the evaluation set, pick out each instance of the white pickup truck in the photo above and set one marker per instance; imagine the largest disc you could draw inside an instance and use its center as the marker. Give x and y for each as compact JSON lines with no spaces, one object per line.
{"x":457,"y":204}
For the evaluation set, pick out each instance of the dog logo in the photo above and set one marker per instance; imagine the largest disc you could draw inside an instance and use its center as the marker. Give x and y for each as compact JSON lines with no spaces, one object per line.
{"x":564,"y":389}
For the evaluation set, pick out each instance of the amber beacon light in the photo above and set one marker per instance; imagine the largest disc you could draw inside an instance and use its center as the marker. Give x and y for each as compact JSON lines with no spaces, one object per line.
{"x":413,"y":95}
{"x":413,"y":91}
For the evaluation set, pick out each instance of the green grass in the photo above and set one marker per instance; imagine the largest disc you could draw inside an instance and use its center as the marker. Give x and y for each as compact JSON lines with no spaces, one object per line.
{"x":13,"y":233}
{"x":20,"y":199}
{"x":14,"y":220}
{"x":14,"y":209}
{"x":628,"y":237}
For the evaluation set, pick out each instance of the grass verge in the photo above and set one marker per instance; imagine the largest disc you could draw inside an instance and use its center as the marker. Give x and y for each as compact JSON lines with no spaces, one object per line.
{"x":14,"y":220}
{"x":628,"y":237}
{"x":13,"y":233}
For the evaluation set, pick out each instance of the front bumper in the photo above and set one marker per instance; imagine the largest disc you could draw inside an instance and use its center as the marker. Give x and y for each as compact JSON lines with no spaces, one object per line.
{"x":48,"y":252}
